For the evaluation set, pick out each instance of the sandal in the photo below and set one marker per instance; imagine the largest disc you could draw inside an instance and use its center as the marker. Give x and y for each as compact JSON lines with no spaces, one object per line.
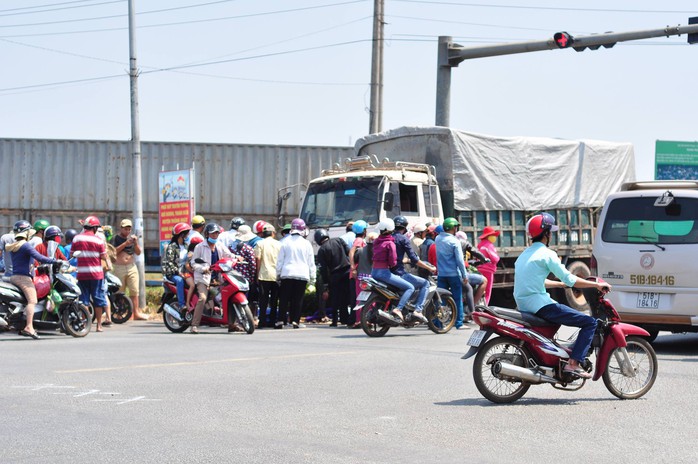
{"x":26,"y":333}
{"x":397,"y":313}
{"x":576,"y":371}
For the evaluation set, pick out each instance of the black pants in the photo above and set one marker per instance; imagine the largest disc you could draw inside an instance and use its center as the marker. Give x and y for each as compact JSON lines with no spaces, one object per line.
{"x":291,"y":299}
{"x":268,"y":297}
{"x":340,"y":296}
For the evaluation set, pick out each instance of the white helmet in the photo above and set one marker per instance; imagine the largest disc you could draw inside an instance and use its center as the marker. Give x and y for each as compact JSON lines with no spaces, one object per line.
{"x":386,"y":224}
{"x":419,"y":228}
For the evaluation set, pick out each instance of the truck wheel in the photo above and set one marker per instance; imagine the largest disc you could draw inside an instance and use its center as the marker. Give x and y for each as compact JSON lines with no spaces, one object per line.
{"x":574,"y":297}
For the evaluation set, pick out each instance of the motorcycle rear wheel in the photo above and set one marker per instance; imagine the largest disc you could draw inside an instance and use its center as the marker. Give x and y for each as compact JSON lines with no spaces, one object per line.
{"x":245,"y":317}
{"x":644,"y":364}
{"x":121,"y":308}
{"x":172,"y":324}
{"x":369,"y":318}
{"x":491,"y":386}
{"x":76,"y":320}
{"x":441,"y":319}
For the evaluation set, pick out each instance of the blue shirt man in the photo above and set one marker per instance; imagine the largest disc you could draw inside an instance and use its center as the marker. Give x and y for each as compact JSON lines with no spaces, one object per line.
{"x":451,"y":265}
{"x":402,"y":247}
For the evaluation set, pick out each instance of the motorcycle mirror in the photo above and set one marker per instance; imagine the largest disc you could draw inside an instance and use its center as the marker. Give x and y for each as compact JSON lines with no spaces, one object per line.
{"x":199,"y":261}
{"x":77,"y":253}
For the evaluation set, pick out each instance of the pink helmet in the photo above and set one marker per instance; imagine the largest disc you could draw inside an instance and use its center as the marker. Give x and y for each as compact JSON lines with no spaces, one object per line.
{"x":298,"y":224}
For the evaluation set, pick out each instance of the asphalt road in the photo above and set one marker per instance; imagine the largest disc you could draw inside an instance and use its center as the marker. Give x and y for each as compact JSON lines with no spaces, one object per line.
{"x":137,"y":393}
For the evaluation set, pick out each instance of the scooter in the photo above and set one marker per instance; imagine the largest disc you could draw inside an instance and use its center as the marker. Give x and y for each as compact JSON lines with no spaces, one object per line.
{"x":377,"y":300}
{"x":224,"y":304}
{"x":525,"y":353}
{"x":121,"y":305}
{"x":58,"y":307}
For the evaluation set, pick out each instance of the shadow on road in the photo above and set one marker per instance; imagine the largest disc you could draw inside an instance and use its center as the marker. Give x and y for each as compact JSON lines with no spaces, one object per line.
{"x":680,"y":344}
{"x":482,"y":402}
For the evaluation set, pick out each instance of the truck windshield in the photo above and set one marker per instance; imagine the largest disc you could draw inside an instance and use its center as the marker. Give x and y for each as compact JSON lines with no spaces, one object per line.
{"x":335,"y":202}
{"x":637,"y":220}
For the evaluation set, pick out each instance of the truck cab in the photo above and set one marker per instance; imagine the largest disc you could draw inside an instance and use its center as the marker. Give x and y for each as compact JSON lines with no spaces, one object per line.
{"x":364,"y":188}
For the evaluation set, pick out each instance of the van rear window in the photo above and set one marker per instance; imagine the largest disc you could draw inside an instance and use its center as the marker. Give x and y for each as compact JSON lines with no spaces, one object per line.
{"x":637,"y":220}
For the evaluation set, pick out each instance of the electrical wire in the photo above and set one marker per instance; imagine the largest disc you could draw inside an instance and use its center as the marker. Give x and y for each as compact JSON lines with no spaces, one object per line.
{"x":250,"y":15}
{"x":50,"y":4}
{"x":552,"y":8}
{"x":58,"y":9}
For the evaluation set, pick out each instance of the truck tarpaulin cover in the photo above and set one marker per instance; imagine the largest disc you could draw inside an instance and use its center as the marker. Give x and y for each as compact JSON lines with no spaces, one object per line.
{"x":522,"y":173}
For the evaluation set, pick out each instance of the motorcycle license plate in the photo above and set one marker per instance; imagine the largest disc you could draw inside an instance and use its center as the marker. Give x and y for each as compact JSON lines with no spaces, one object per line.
{"x":363,"y":296}
{"x":476,"y":338}
{"x":648,"y":300}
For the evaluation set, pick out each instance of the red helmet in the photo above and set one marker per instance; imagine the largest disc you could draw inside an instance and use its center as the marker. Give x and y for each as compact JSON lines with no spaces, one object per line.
{"x":180,"y":227}
{"x":91,"y":221}
{"x":539,"y":223}
{"x":258,"y":227}
{"x":195,"y":240}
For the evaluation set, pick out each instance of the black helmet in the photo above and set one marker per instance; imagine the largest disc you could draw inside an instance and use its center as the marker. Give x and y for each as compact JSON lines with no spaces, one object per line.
{"x":21,"y":226}
{"x":70,"y":234}
{"x":236,"y":222}
{"x":52,"y":232}
{"x":211,"y":228}
{"x":321,"y":235}
{"x":400,"y":221}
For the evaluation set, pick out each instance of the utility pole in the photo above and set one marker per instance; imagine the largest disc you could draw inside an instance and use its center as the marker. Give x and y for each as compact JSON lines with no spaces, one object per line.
{"x":376,"y":111}
{"x":450,"y":55}
{"x":136,"y":152}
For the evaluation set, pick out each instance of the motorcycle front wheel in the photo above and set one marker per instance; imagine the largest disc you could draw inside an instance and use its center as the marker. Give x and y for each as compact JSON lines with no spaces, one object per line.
{"x":76,"y":319}
{"x":441,"y":318}
{"x":495,"y":387}
{"x":245,"y":317}
{"x":121,"y":308}
{"x":643,"y":363}
{"x":370,"y":323}
{"x":171,"y":322}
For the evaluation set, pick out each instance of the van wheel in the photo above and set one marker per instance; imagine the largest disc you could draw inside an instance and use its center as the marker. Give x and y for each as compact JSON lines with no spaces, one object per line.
{"x":573,"y":296}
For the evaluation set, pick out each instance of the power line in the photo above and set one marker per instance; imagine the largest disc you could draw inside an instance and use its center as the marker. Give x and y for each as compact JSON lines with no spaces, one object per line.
{"x":57,"y":9}
{"x":552,"y":8}
{"x":250,"y":15}
{"x":177,"y":68}
{"x":49,"y":4}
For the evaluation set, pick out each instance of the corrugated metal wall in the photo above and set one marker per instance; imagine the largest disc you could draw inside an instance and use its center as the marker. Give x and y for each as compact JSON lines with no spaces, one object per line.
{"x":63,"y":180}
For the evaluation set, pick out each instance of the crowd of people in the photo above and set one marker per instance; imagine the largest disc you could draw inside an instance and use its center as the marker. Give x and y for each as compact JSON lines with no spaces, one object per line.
{"x":92,"y":252}
{"x":281,"y":267}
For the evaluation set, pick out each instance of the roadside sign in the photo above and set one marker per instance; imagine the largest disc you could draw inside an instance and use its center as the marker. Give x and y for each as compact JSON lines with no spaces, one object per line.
{"x":176,"y":201}
{"x":675,"y":160}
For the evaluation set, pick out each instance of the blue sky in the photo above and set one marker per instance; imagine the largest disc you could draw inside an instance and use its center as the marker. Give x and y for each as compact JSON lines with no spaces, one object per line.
{"x":298,"y":72}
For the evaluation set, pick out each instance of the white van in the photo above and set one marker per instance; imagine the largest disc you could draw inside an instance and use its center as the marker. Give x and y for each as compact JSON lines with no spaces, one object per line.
{"x":646,"y":247}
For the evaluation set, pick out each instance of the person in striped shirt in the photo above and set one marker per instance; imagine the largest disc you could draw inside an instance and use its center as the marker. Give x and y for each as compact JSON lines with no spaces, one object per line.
{"x":93,"y":251}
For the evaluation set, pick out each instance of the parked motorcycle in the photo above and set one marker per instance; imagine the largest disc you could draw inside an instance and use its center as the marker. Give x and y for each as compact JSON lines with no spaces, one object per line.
{"x":58,"y":307}
{"x":121,"y":305}
{"x":526,"y":353}
{"x":225,"y":303}
{"x":378,"y":299}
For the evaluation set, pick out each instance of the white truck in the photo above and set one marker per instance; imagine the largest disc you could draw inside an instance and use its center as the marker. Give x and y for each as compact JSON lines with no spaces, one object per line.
{"x":426,"y":173}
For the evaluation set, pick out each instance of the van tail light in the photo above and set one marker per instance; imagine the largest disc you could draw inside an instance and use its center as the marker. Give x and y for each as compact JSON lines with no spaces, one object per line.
{"x":594,"y":266}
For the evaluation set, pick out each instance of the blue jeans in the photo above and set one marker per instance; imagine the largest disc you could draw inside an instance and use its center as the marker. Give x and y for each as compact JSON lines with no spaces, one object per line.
{"x":179,"y":282}
{"x":561,"y":314}
{"x":422,"y":285}
{"x":475,"y":279}
{"x":384,"y":275}
{"x":455,"y":284}
{"x":94,"y":289}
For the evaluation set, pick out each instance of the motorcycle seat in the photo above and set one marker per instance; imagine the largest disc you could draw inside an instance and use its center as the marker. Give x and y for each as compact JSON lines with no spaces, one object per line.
{"x":525,"y":319}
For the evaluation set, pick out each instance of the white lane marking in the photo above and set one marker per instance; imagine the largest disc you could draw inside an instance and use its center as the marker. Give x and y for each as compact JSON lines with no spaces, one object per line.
{"x":196,"y":363}
{"x":118,"y":401}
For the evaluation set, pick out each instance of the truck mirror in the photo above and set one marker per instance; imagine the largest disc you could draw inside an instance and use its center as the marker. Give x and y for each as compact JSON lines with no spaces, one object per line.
{"x":388,"y":199}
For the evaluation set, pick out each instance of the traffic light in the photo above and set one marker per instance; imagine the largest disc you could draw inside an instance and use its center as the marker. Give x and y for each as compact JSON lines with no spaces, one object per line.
{"x":693,"y":38}
{"x":563,"y":40}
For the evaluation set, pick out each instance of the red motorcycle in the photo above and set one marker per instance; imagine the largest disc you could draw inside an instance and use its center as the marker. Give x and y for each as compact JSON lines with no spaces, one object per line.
{"x":526,"y":353}
{"x":225,"y":303}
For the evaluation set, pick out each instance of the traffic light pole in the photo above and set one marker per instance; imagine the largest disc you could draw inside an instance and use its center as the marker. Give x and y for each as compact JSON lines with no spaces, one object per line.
{"x":450,"y":55}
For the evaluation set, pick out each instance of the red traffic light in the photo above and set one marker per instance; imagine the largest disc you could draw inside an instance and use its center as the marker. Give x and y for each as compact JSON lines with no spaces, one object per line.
{"x":563,"y":40}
